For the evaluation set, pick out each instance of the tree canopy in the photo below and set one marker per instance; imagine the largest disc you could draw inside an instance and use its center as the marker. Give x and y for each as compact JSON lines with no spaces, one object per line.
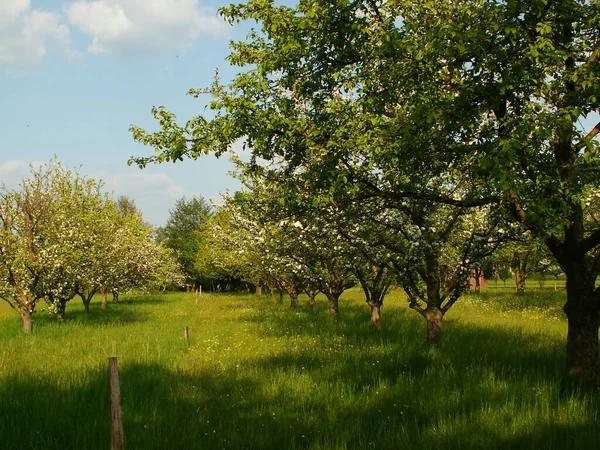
{"x":183,"y":234}
{"x":376,"y":99}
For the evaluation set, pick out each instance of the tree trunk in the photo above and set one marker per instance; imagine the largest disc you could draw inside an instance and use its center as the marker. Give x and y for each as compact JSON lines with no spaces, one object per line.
{"x":433,"y":313}
{"x":334,"y":309}
{"x":435,"y":320}
{"x":27,"y":322}
{"x":519,"y":265}
{"x":293,"y":299}
{"x":375,"y":290}
{"x":583,"y":314}
{"x":86,"y":299}
{"x":311,"y":300}
{"x":271,"y":292}
{"x":115,"y":296}
{"x":281,"y":296}
{"x":520,"y":281}
{"x":60,"y":311}
{"x":258,"y":291}
{"x":477,"y":281}
{"x":582,"y":346}
{"x":104,"y":298}
{"x":376,"y":315}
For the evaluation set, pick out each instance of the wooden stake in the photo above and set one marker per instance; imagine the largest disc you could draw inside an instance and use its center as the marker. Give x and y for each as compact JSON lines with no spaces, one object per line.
{"x":186,"y":334}
{"x":197,"y":294}
{"x":117,"y":439}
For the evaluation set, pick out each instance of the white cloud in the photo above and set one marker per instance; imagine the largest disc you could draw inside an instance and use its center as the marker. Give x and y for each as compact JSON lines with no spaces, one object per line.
{"x":134,"y":26}
{"x":25,"y":33}
{"x":153,"y":193}
{"x":12,"y":172}
{"x":12,"y":10}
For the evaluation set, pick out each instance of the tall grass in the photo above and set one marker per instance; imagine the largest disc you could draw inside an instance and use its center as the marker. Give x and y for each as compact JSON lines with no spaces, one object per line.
{"x":257,"y":375}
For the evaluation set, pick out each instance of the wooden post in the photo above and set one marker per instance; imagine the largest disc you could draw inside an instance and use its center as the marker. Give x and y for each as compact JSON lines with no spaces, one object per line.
{"x":197,"y":294}
{"x":186,"y":334}
{"x":117,"y":439}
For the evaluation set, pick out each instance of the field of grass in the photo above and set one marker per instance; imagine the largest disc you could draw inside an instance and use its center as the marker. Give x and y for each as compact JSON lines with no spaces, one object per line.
{"x":257,"y":375}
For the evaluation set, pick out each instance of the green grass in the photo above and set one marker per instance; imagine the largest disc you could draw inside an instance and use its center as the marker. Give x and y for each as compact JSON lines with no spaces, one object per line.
{"x":257,"y":375}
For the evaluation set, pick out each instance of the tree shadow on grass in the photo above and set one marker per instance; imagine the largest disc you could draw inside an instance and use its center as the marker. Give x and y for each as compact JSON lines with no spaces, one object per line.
{"x":403,"y":332}
{"x":242,"y":409}
{"x":155,"y":299}
{"x":114,"y":315}
{"x":353,"y":388}
{"x":97,"y":318}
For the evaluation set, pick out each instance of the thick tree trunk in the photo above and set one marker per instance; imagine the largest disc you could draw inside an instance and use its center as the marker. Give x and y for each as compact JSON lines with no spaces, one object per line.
{"x":435,"y":322}
{"x":27,"y":322}
{"x":281,"y":296}
{"x":271,"y":292}
{"x":86,"y":305}
{"x":582,"y":346}
{"x":258,"y":290}
{"x":104,"y":303}
{"x":376,"y":315}
{"x":520,"y":282}
{"x":583,"y":314}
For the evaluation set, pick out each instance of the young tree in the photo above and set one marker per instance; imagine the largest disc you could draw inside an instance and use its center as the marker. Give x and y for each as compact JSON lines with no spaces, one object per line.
{"x":25,"y":217}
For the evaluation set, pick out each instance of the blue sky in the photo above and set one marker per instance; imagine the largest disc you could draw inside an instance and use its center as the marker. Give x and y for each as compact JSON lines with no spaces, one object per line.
{"x":74,"y":76}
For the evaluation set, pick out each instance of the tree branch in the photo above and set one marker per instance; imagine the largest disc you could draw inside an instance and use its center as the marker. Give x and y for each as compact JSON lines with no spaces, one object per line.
{"x":589,"y":242}
{"x":414,"y":305}
{"x":452,"y":301}
{"x":588,"y":137}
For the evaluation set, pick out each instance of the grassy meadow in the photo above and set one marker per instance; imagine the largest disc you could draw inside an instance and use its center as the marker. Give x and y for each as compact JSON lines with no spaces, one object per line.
{"x":257,"y":375}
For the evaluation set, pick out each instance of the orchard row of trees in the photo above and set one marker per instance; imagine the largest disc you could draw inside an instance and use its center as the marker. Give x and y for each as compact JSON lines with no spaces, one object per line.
{"x":62,"y":237}
{"x":433,"y":252}
{"x":436,"y":120}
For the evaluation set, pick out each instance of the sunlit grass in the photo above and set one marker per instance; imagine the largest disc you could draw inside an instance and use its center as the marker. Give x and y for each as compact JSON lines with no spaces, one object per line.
{"x":259,"y":375}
